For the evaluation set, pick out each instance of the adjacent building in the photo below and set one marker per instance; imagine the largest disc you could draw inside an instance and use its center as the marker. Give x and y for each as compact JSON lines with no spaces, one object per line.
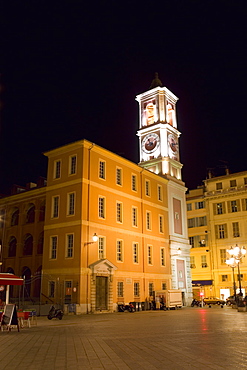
{"x":217,"y":221}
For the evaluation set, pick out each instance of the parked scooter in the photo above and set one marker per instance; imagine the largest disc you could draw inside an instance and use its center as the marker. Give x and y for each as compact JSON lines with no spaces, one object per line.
{"x":55,"y":313}
{"x":126,"y":307}
{"x":195,"y":302}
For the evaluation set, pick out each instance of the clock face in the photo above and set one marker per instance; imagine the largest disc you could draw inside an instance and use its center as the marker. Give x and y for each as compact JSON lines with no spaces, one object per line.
{"x":173,"y":143}
{"x":150,"y":143}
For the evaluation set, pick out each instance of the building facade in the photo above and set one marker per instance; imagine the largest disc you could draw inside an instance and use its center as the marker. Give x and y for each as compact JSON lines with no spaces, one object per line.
{"x":114,"y":231}
{"x":217,"y":220}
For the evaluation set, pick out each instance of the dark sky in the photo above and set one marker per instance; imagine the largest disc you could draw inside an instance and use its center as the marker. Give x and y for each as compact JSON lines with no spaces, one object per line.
{"x":71,"y":70}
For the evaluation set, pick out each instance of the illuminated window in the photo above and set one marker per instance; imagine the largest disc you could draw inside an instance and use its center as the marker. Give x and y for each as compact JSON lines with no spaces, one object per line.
{"x":120,"y":250}
{"x":102,"y":169}
{"x":162,"y":256}
{"x":119,"y":176}
{"x":120,"y":289}
{"x":71,"y":204}
{"x":101,"y":247}
{"x":219,"y":208}
{"x":192,"y":262}
{"x":70,"y":246}
{"x":135,"y":253}
{"x":192,"y":241}
{"x":223,"y":256}
{"x":101,"y":207}
{"x":136,"y":289}
{"x":57,"y":169}
{"x":119,"y":212}
{"x":204,"y":261}
{"x":72,"y":165}
{"x":53,"y":247}
{"x":134,"y":183}
{"x":55,"y":206}
{"x":134,"y":216}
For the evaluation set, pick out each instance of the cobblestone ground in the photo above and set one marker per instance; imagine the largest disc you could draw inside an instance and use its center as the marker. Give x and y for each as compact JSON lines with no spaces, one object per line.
{"x":190,"y":338}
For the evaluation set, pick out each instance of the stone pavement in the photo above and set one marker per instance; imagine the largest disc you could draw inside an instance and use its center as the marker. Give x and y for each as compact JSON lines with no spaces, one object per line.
{"x":189,"y":338}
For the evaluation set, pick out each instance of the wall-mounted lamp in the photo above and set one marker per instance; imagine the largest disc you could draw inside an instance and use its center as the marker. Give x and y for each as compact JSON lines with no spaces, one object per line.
{"x":178,"y":253}
{"x":95,"y":239}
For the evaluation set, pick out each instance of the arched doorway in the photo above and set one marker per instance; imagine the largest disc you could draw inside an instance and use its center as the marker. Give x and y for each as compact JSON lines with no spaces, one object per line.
{"x":26,"y":275}
{"x":37,"y":282}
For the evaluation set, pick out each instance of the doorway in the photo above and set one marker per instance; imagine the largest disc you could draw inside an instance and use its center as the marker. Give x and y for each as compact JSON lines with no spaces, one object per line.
{"x":101,"y":293}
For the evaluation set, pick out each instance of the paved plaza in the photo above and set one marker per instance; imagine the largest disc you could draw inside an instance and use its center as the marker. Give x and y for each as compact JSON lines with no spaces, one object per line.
{"x":189,"y":338}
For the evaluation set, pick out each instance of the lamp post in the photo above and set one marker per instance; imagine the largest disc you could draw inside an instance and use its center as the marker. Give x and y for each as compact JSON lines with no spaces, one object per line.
{"x":86,"y":244}
{"x":232,"y":263}
{"x":236,"y":254}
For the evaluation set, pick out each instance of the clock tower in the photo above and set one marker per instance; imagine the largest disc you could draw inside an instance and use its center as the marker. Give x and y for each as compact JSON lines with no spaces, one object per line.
{"x":158,"y":133}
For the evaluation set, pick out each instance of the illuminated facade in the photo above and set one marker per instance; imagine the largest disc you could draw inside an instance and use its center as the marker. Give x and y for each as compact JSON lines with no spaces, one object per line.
{"x":137,"y":212}
{"x":217,"y":216}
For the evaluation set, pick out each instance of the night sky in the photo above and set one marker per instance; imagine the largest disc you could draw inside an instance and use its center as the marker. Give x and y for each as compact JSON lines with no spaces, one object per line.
{"x":72,"y":70}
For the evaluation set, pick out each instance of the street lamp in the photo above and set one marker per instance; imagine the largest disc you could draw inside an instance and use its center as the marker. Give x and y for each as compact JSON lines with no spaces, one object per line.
{"x":86,"y":244}
{"x":94,"y":239}
{"x":232,"y":263}
{"x":236,"y":253}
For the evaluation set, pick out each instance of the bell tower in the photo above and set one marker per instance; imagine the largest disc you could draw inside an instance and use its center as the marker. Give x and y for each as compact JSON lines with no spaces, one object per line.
{"x":158,"y":133}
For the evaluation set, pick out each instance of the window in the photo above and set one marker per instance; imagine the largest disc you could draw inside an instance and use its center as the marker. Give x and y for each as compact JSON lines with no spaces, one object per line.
{"x":148,"y":220}
{"x":219,"y":208}
{"x":70,"y":246}
{"x":235,"y":229}
{"x":245,"y":181}
{"x":51,"y":289}
{"x":136,"y":289}
{"x":30,"y":216}
{"x":101,"y":247}
{"x":53,"y":247}
{"x":218,"y":185}
{"x":189,"y":206}
{"x":202,"y":221}
{"x":42,"y":212}
{"x":55,"y":206}
{"x":221,"y":231}
{"x":134,"y":216}
{"x":72,"y":165}
{"x":192,"y":262}
{"x":71,"y":204}
{"x":40,"y":243}
{"x":150,"y":255}
{"x":199,"y":205}
{"x":162,"y":256}
{"x":222,"y":256}
{"x":12,"y":247}
{"x":224,"y":277}
{"x":161,"y":224}
{"x":133,"y":183}
{"x":147,"y":188}
{"x":240,"y":277}
{"x":233,"y":183}
{"x":244,"y":204}
{"x":150,"y":289}
{"x":135,"y":253}
{"x":233,"y":206}
{"x":119,"y":176}
{"x":204,"y":261}
{"x":197,"y":221}
{"x":102,"y":169}
{"x":57,"y":169}
{"x":120,"y":290}
{"x":192,"y":241}
{"x":68,"y":291}
{"x":101,"y":207}
{"x":160,"y":195}
{"x":15,"y":217}
{"x":191,"y":222}
{"x":119,"y":212}
{"x":120,"y":250}
{"x":28,"y":245}
{"x":163,"y":287}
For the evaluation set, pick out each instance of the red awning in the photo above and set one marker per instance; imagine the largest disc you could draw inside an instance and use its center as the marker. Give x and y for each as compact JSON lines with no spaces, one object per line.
{"x":10,"y":279}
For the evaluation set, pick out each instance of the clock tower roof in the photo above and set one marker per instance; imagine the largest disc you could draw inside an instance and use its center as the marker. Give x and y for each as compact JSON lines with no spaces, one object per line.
{"x":156,"y":81}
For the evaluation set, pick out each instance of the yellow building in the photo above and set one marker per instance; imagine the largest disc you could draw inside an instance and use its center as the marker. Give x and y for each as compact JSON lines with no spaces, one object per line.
{"x":136,"y":214}
{"x":217,"y":218}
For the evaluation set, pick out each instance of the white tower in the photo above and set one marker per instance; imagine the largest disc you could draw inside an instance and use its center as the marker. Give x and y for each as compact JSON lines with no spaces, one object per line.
{"x":158,"y":134}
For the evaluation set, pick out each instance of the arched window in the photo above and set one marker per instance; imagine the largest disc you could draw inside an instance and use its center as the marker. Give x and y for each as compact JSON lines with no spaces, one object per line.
{"x":42,"y":212}
{"x":40,"y":243}
{"x":15,"y":217}
{"x":28,"y":245}
{"x":12,"y":247}
{"x":26,"y":274}
{"x":30,"y":216}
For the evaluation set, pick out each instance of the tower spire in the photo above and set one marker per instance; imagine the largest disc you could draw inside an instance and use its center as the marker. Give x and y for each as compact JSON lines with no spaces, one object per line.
{"x":156,"y":81}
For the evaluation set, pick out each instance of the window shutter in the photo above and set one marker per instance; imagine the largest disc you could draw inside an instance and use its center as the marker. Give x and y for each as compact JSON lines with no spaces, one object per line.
{"x":216,"y":232}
